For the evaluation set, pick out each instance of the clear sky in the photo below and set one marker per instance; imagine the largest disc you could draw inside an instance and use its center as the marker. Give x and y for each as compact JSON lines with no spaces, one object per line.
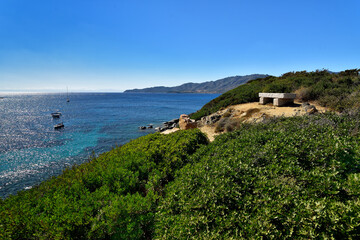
{"x":113,"y":45}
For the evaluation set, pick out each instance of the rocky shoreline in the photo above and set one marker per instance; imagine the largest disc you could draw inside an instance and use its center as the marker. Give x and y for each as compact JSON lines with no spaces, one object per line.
{"x":184,"y":122}
{"x":168,"y":125}
{"x":174,"y":123}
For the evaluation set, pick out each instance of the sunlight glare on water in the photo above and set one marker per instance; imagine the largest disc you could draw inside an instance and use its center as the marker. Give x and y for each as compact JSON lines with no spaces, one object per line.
{"x":32,"y":151}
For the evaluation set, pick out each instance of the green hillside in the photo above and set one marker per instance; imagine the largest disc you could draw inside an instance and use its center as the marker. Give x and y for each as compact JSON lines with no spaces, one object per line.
{"x":294,"y":178}
{"x":338,"y":91}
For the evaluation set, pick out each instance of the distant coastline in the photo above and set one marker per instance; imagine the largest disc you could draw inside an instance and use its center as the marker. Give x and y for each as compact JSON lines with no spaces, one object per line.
{"x":218,"y":86}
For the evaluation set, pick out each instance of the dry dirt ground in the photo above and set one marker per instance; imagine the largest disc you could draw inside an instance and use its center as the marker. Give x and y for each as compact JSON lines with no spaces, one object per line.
{"x":253,"y":112}
{"x":170,"y":131}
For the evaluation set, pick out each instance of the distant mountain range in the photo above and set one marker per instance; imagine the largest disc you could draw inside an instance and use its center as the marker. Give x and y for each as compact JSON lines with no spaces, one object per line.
{"x":218,"y":86}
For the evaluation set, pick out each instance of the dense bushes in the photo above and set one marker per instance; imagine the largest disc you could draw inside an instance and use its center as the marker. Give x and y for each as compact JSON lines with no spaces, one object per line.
{"x":338,"y":91}
{"x":113,"y":196}
{"x":288,"y":178}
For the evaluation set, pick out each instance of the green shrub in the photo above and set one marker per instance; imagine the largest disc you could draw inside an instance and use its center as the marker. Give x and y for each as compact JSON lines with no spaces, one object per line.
{"x":295,"y":178}
{"x":227,"y":124}
{"x":227,"y":114}
{"x":232,"y":124}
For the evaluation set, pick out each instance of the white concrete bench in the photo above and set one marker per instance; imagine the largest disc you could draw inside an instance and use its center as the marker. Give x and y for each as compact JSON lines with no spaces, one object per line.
{"x":278,"y":99}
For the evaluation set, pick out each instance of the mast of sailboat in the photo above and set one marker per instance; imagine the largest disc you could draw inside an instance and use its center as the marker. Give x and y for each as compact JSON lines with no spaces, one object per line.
{"x":67,"y":94}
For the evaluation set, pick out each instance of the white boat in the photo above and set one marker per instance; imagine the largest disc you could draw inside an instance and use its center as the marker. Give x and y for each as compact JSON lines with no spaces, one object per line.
{"x":58,"y":126}
{"x":67,"y":95}
{"x":56,"y":114}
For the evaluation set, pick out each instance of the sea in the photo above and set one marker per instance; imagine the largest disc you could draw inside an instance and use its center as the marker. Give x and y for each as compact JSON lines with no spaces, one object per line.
{"x":31,"y":150}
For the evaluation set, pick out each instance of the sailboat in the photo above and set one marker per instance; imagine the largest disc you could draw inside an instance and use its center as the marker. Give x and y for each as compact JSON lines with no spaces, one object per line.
{"x":58,"y":126}
{"x":67,"y":95}
{"x":56,"y":114}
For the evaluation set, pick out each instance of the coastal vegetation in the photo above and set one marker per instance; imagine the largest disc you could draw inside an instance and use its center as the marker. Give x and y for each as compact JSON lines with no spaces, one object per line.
{"x":287,"y":178}
{"x":293,"y":177}
{"x":282,"y":178}
{"x":337,"y":91}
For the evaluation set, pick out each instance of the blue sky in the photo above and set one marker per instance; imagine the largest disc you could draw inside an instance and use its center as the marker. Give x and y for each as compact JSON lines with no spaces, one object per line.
{"x":108,"y":45}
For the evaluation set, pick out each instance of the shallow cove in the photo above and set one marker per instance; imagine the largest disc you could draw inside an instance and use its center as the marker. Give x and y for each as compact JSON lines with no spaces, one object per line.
{"x":32,"y":151}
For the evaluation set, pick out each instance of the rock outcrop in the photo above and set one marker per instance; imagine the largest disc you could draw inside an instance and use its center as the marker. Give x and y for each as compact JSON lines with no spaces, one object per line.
{"x":186,"y":123}
{"x":309,"y":109}
{"x":168,"y":125}
{"x":211,"y":119}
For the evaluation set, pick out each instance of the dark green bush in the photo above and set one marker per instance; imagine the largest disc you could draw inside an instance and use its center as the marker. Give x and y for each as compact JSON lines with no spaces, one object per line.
{"x":227,"y":124}
{"x":295,"y":178}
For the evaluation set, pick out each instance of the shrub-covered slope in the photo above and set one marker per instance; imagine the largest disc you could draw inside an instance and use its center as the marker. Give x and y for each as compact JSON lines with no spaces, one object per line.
{"x":295,"y":178}
{"x":113,"y":196}
{"x":338,"y":91}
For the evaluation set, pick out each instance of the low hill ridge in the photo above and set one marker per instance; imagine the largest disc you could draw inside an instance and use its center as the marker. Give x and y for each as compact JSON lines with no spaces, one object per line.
{"x":337,"y":91}
{"x":218,"y":86}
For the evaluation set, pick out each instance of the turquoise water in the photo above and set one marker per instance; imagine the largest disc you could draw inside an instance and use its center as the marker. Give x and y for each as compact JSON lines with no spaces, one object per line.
{"x":32,"y":151}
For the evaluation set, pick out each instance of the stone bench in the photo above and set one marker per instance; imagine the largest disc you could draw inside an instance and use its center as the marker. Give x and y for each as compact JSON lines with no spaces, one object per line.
{"x":278,"y":99}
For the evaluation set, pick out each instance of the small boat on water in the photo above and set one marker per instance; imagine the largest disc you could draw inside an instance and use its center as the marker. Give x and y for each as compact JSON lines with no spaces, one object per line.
{"x":58,"y":126}
{"x":67,"y":95}
{"x":56,"y":114}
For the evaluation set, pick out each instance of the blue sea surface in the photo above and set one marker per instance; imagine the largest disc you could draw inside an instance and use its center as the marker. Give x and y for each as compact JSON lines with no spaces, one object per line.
{"x":31,"y":150}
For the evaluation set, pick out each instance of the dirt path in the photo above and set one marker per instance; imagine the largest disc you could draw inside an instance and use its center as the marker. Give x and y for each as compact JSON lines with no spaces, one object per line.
{"x":271,"y":110}
{"x":253,"y":112}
